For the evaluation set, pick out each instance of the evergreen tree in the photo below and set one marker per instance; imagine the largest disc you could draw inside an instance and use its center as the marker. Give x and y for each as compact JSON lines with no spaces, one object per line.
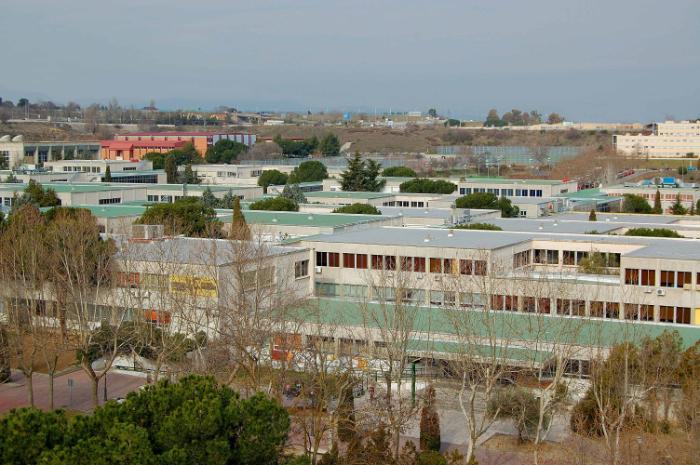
{"x":170,"y":170}
{"x":429,"y":423}
{"x":352,"y":179}
{"x":239,"y":228}
{"x":208,"y":198}
{"x":294,"y":192}
{"x":371,"y":182}
{"x":108,"y":175}
{"x":657,"y":203}
{"x":189,"y":176}
{"x":330,"y":145}
{"x":592,"y":216}
{"x":677,"y":208}
{"x":228,"y":199}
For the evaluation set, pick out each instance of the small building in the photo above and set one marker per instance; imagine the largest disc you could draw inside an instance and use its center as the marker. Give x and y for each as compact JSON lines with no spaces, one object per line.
{"x":135,"y":144}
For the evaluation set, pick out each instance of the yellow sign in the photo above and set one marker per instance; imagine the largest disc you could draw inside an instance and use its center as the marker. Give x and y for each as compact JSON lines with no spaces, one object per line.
{"x":201,"y":287}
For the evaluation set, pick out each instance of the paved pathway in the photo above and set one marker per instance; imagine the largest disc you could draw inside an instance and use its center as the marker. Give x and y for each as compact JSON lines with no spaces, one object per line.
{"x":13,"y":394}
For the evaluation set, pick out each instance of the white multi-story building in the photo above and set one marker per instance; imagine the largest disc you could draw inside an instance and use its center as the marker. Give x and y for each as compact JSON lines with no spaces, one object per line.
{"x":669,"y":139}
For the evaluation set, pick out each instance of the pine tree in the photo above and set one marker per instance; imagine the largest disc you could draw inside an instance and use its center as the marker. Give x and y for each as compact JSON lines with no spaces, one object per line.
{"x":294,"y":192}
{"x":429,"y":423}
{"x":208,"y":199}
{"x":170,"y":169}
{"x":108,"y":175}
{"x":352,"y":179}
{"x":228,"y":199}
{"x":592,"y":216}
{"x":677,"y":208}
{"x":189,"y":176}
{"x":239,"y":228}
{"x":657,"y":203}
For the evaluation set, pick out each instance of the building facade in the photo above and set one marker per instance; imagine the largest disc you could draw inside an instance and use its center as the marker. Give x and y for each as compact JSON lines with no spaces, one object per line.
{"x":669,"y":139}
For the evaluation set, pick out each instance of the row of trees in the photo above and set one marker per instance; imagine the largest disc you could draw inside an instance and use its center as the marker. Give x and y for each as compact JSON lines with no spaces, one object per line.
{"x":517,"y":117}
{"x":633,"y":203}
{"x":328,"y":146}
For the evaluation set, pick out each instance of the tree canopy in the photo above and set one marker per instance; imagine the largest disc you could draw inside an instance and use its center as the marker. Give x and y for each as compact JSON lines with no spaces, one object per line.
{"x":224,"y":151}
{"x":358,"y":209}
{"x":188,"y":216}
{"x":330,"y":145}
{"x":184,"y":156}
{"x":635,"y":204}
{"x":361,"y":175}
{"x":192,"y":421}
{"x":488,"y":201}
{"x":297,"y":148}
{"x":35,"y":194}
{"x":652,"y":232}
{"x":428,"y":186}
{"x":399,"y":172}
{"x":275,"y":204}
{"x":272,"y":178}
{"x":308,"y":171}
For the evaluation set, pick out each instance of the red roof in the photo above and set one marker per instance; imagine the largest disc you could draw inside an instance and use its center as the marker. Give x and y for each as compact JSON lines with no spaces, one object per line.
{"x":168,"y":133}
{"x":130,"y":144}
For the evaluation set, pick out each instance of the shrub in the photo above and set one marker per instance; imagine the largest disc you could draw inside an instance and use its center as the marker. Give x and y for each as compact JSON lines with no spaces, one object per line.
{"x":275,"y":204}
{"x":428,"y":186}
{"x":399,"y":172}
{"x":358,"y":209}
{"x":653,"y":232}
{"x":482,"y":226}
{"x":635,"y":204}
{"x":488,"y":201}
{"x":272,"y":178}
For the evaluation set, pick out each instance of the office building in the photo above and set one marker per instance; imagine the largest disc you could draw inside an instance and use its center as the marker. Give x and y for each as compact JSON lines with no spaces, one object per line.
{"x":669,"y":139}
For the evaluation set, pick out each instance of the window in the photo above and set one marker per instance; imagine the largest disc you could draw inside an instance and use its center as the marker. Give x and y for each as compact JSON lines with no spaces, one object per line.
{"x":598,"y":309}
{"x":377,"y":262}
{"x":497,"y":302}
{"x":361,"y":261}
{"x":447,"y":265}
{"x":326,"y":290}
{"x":333,"y":259}
{"x":127,"y":279}
{"x":154,"y":281}
{"x":631,"y":311}
{"x":354,"y":292}
{"x":406,"y":263}
{"x":158,"y":317}
{"x":543,"y":305}
{"x":263,"y":277}
{"x":546,"y":257}
{"x":666,"y":314}
{"x":436,"y":297}
{"x":683,"y":278}
{"x":631,"y":276}
{"x":511,"y":303}
{"x":648,"y":277}
{"x":390,"y":262}
{"x":436,"y":265}
{"x":529,"y":304}
{"x":109,"y":201}
{"x":578,"y":307}
{"x":563,"y":306}
{"x":419,"y":264}
{"x":521,"y":259}
{"x":569,"y":257}
{"x":646,"y":312}
{"x":412,"y":296}
{"x":480,"y":267}
{"x":668,"y":278}
{"x":450,"y":298}
{"x":348,"y":260}
{"x":612,"y":310}
{"x":683,"y":315}
{"x":301,"y":269}
{"x":471,"y":300}
{"x":465,"y":267}
{"x":321,"y":258}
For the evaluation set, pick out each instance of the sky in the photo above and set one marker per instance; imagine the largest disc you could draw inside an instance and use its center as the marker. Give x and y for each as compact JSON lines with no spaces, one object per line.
{"x":590,"y":60}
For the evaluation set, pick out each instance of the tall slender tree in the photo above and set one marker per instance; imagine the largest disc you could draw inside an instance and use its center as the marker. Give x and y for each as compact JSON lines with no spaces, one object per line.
{"x":657,"y":203}
{"x":239,"y":228}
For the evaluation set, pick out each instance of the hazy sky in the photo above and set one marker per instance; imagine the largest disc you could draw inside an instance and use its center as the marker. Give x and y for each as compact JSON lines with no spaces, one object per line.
{"x":587,"y":59}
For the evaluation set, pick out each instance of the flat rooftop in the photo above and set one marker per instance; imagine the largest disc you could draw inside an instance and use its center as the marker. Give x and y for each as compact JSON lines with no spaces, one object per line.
{"x":320,"y":220}
{"x":347,"y":195}
{"x":496,"y":180}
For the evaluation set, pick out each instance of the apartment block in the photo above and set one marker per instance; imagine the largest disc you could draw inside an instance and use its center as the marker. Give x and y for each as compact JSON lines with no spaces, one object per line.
{"x":669,"y":139}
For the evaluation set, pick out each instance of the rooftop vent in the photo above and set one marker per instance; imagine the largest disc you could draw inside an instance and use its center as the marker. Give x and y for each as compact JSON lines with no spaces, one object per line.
{"x":450,"y":233}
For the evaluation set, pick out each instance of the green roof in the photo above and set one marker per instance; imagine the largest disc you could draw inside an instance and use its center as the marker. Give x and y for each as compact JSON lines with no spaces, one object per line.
{"x":347,"y":195}
{"x":301,"y":219}
{"x":114,"y":211}
{"x":511,"y":326}
{"x":62,"y":187}
{"x":197,"y":187}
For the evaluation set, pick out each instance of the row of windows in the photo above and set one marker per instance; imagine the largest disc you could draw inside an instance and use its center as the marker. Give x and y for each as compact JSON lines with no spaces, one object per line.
{"x":667,"y":278}
{"x":389,"y":263}
{"x":569,"y":257}
{"x":301,"y":269}
{"x":513,"y":303}
{"x":110,"y":201}
{"x":83,"y":169}
{"x":502,"y":192}
{"x":404,"y":203}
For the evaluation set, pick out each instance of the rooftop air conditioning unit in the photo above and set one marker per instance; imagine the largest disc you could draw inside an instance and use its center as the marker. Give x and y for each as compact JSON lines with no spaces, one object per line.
{"x":318,"y":270}
{"x":661,"y":292}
